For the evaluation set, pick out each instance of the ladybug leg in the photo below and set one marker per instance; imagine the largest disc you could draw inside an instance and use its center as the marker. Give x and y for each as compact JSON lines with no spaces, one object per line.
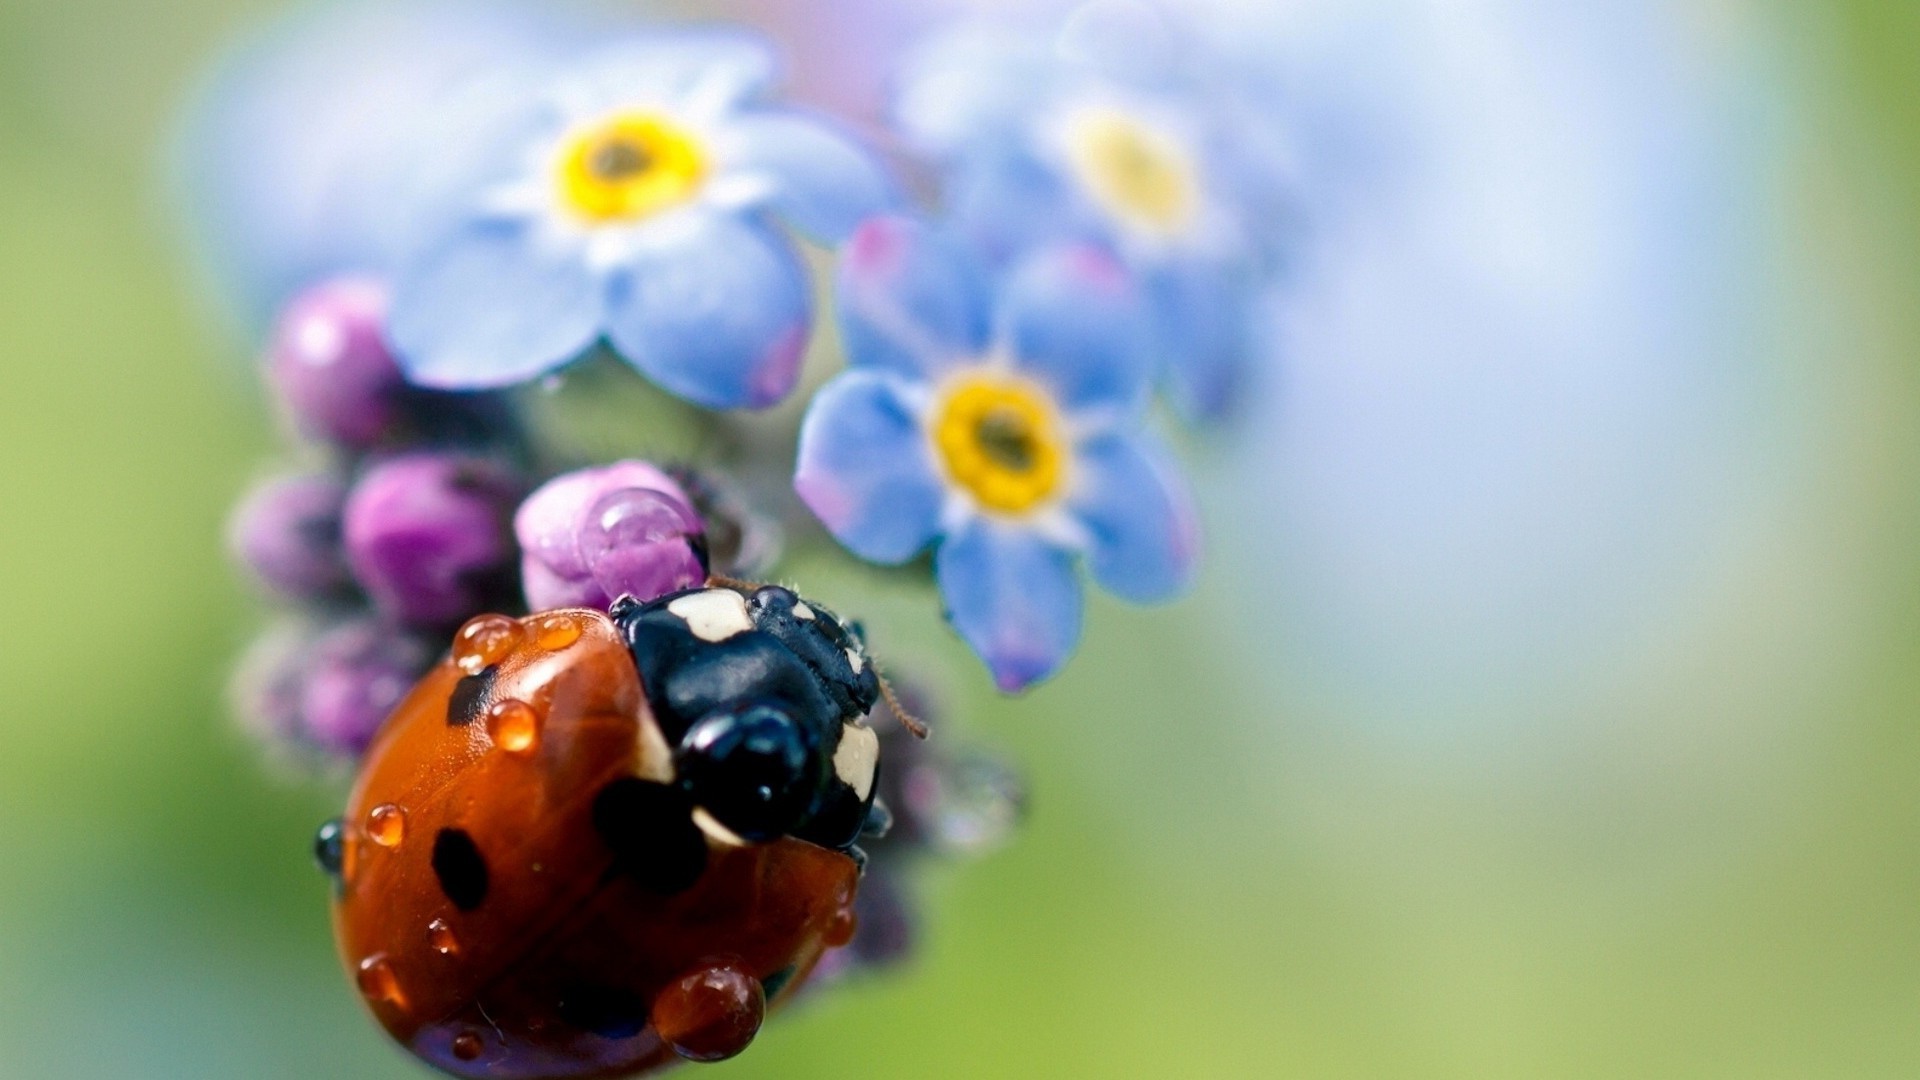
{"x":879,"y":821}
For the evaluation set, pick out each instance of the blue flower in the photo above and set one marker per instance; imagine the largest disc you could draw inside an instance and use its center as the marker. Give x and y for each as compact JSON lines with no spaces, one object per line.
{"x":635,"y":205}
{"x":1104,"y":136}
{"x":302,"y":155}
{"x":1001,"y":418}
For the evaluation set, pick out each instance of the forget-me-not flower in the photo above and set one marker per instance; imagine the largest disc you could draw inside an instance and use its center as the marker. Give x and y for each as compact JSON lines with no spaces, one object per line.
{"x":1105,"y":135}
{"x":636,"y":206}
{"x":304,"y":155}
{"x":1000,"y":417}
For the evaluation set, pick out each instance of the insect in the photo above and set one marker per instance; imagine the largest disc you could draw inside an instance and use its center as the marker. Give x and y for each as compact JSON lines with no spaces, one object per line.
{"x":592,"y":844}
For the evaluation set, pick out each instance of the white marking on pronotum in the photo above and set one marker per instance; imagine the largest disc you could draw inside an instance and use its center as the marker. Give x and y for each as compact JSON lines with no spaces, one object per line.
{"x":715,"y":831}
{"x":653,"y":757}
{"x":856,"y":661}
{"x":857,"y":757}
{"x":713,"y":614}
{"x":802,"y":611}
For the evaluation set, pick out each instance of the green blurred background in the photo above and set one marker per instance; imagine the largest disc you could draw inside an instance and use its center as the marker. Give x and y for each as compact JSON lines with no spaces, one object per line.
{"x":1261,"y":891}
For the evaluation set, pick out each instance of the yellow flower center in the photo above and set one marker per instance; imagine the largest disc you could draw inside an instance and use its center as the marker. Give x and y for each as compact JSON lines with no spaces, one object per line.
{"x":1140,"y":175}
{"x":629,"y":167}
{"x":1001,"y":442}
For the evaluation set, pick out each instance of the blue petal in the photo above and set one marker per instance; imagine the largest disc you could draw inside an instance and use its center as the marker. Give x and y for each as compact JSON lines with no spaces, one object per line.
{"x":865,"y":468}
{"x":1013,"y":597}
{"x":910,"y":300}
{"x":490,"y":306}
{"x":976,"y":83}
{"x":1074,"y":318}
{"x":1145,"y":539}
{"x":297,"y":154}
{"x":719,"y":315}
{"x":1007,"y":204}
{"x":710,"y":70}
{"x":821,"y":180}
{"x":1202,"y":332}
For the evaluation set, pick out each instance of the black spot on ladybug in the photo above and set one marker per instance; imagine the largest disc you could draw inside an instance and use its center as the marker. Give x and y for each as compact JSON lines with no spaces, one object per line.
{"x":462,"y":870}
{"x":776,"y":982}
{"x":329,"y":848}
{"x":468,"y":702}
{"x":605,"y":1011}
{"x":649,"y":827}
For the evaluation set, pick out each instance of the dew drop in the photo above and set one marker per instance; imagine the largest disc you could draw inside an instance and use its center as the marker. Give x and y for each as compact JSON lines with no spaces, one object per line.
{"x":387,"y":825}
{"x":711,"y":1013}
{"x":514,"y":725}
{"x":467,"y":1045}
{"x":484,"y":641}
{"x":974,"y":804}
{"x":440,"y":938}
{"x":840,"y":930}
{"x":556,"y":632}
{"x":377,"y":980}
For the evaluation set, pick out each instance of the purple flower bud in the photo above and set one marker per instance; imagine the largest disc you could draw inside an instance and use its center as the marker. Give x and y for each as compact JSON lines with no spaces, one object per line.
{"x":265,"y":690}
{"x":587,"y":537}
{"x":330,"y":363}
{"x":356,"y":674}
{"x":428,"y":537}
{"x":287,"y":531}
{"x":305,"y":687}
{"x":643,"y":543}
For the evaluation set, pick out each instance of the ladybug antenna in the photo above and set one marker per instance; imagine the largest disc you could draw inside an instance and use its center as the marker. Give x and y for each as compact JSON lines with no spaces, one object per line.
{"x":907,"y":720}
{"x":737,"y":585}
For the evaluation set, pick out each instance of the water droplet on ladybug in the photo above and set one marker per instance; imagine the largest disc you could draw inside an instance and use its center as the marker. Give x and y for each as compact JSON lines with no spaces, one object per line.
{"x":377,"y":980}
{"x":840,"y":931}
{"x":556,"y":632}
{"x":467,"y":1045}
{"x":514,"y":725}
{"x":387,"y":825}
{"x":440,"y":938}
{"x":485,"y":641}
{"x":710,"y":1014}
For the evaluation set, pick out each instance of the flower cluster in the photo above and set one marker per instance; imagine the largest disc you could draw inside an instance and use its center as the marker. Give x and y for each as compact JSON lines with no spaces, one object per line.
{"x":497,"y":219}
{"x":1101,"y":218}
{"x":417,"y":511}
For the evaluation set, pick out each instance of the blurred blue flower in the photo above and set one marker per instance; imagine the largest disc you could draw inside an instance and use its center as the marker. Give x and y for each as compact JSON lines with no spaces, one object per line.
{"x":633,"y":202}
{"x":1524,"y":421}
{"x":1005,"y":422}
{"x":310,"y":148}
{"x":1116,"y":132}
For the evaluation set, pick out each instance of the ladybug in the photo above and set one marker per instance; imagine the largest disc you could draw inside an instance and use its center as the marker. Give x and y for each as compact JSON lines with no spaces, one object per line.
{"x":591,"y":844}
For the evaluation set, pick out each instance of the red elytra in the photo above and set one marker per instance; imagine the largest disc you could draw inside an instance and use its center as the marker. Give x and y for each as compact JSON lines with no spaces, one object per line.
{"x":519,"y":897}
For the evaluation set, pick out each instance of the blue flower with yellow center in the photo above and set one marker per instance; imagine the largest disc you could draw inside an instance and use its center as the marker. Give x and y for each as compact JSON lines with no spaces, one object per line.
{"x":640,"y":204}
{"x":1001,"y":418}
{"x":1103,"y":137}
